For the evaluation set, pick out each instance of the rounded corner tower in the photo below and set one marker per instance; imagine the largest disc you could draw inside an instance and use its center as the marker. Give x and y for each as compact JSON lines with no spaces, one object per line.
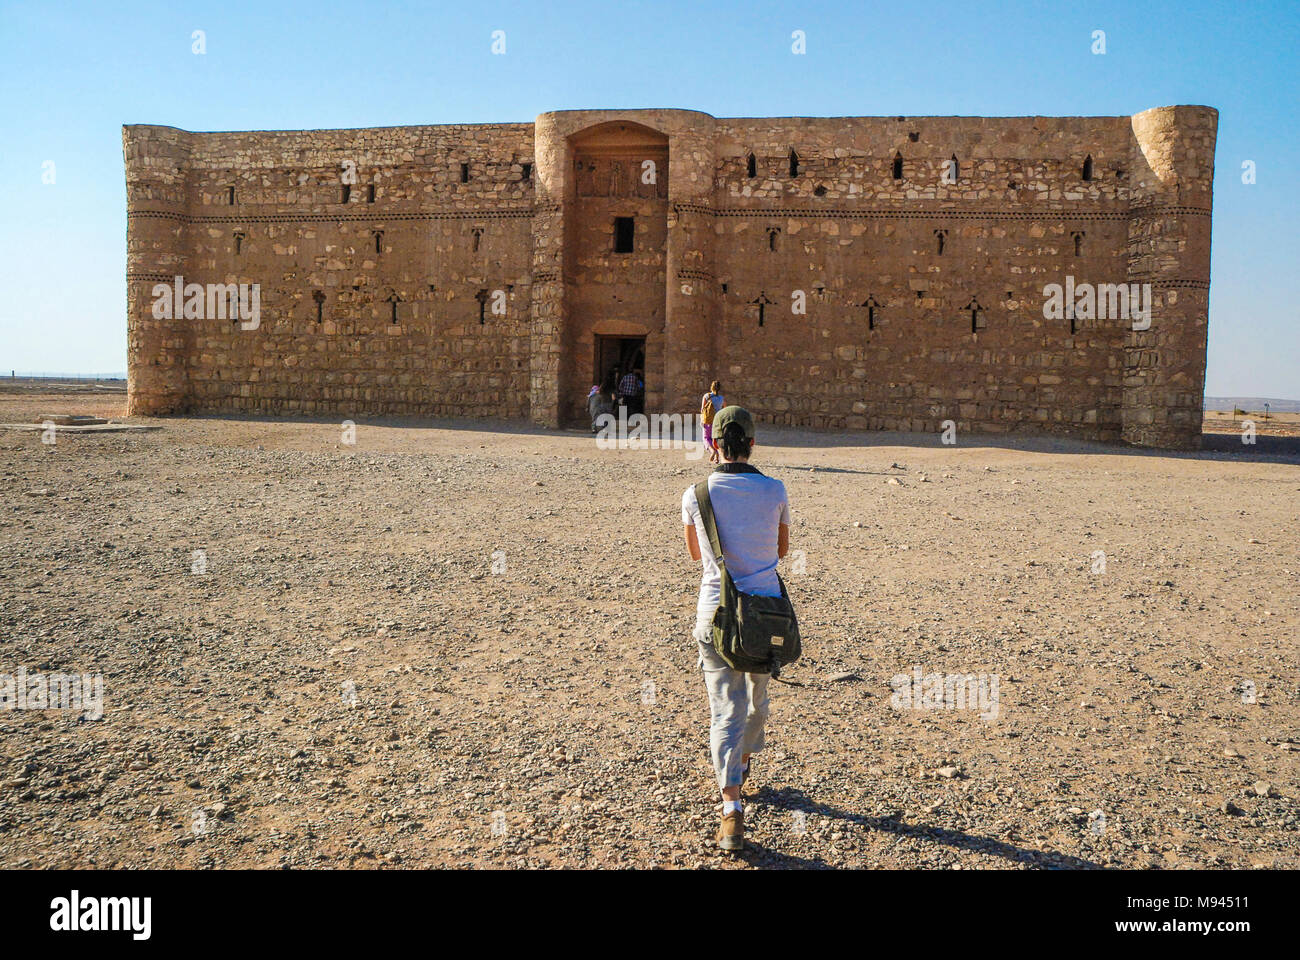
{"x":156,"y":160}
{"x":1172,"y":176}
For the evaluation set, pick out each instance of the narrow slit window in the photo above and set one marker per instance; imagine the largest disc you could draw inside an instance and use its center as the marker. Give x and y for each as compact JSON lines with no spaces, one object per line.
{"x":464,"y":173}
{"x":1078,"y":244}
{"x":624,"y":234}
{"x":482,"y":298}
{"x":230,"y":196}
{"x":370,"y":193}
{"x":347,"y":193}
{"x":954,"y":168}
{"x":379,"y":242}
{"x":940,"y":237}
{"x":239,"y":244}
{"x":898,"y":166}
{"x":772,"y":234}
{"x":320,"y":305}
{"x":751,"y":166}
{"x":528,"y":171}
{"x":871,"y":305}
{"x":478,"y":238}
{"x":1087,"y":167}
{"x":794,"y":163}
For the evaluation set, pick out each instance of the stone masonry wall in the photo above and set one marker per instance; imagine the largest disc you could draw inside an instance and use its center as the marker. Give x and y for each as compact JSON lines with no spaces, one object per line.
{"x":887,"y":340}
{"x":370,"y":300}
{"x":921,"y":292}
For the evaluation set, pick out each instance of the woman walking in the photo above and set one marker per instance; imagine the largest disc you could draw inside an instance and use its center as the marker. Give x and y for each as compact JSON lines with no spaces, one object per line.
{"x":710,"y":404}
{"x":752,"y":515}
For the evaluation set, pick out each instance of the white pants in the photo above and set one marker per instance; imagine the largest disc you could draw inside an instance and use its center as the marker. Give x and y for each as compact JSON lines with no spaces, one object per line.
{"x":738,"y":709}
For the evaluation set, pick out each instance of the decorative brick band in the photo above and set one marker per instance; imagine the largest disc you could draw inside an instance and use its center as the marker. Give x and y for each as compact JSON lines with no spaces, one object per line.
{"x":1174,"y":282}
{"x":1156,"y":209}
{"x":756,"y":212}
{"x":518,"y":214}
{"x":690,"y":273}
{"x":687,"y":273}
{"x":939,"y":214}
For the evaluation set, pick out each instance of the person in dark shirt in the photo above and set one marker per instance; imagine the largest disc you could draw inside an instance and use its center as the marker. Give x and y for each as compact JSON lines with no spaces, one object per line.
{"x":631,"y":391}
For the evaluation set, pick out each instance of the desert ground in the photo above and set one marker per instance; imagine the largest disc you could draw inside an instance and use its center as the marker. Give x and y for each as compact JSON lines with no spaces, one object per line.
{"x":1265,"y":424}
{"x":458,"y":643}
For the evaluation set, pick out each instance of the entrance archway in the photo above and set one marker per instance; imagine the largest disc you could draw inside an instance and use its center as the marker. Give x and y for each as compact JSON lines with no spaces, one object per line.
{"x":616,"y":251}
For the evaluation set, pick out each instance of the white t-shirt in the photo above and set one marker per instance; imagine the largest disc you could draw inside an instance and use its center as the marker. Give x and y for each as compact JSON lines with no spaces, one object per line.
{"x":748,"y":509}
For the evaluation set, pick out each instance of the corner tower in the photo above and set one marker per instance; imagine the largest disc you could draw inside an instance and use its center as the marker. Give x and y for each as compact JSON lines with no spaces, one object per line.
{"x":1171,"y":157}
{"x":156,"y":244}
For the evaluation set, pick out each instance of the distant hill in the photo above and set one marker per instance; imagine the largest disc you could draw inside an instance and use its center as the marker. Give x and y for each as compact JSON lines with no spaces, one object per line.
{"x":1252,"y":403}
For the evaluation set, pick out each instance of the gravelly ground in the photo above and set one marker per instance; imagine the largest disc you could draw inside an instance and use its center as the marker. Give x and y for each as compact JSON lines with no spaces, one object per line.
{"x":350,"y":685}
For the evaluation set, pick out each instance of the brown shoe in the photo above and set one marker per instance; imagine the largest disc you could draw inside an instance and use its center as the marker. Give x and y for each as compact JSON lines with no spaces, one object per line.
{"x":731,"y":835}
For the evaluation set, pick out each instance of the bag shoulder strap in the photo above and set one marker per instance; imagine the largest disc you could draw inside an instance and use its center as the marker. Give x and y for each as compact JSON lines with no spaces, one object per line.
{"x":710,"y":522}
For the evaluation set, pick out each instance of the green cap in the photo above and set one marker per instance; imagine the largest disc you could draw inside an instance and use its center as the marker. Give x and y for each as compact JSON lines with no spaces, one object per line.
{"x":734,"y":414}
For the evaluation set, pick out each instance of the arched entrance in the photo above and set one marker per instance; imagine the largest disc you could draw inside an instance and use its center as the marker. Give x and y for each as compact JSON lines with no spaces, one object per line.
{"x":615,"y":253}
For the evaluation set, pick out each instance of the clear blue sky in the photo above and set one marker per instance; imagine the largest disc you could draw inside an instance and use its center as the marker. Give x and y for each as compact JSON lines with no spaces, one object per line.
{"x":74,"y":73}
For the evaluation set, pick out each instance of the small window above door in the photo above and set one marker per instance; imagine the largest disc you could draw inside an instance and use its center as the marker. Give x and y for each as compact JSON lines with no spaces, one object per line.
{"x":624,"y":234}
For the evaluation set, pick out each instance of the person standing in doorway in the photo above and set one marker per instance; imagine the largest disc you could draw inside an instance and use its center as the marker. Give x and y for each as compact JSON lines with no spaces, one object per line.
{"x":752,"y":515}
{"x":600,"y":402}
{"x":631,"y":390}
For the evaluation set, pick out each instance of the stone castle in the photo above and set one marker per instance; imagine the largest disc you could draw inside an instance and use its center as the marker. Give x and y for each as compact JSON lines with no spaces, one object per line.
{"x":851,"y":273}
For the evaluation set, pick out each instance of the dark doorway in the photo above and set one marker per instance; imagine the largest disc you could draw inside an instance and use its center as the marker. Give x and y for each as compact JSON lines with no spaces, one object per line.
{"x":616,"y":357}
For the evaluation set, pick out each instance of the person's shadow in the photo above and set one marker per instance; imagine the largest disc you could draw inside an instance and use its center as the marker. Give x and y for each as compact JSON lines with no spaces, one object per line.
{"x":792,"y":799}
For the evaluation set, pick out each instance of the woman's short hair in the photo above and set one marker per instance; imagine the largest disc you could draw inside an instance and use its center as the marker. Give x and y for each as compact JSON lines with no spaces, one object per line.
{"x":715,"y":386}
{"x":733,"y":443}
